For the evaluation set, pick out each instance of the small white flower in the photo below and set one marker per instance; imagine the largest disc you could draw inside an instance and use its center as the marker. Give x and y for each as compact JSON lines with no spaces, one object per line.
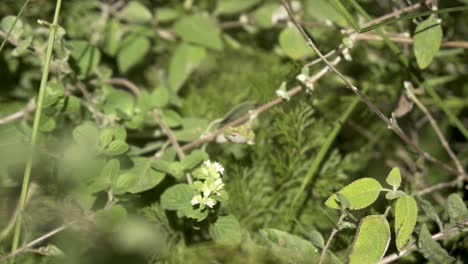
{"x":301,"y":77}
{"x":207,"y":163}
{"x":206,"y":190}
{"x":219,"y":168}
{"x":210,"y":202}
{"x":196,"y":200}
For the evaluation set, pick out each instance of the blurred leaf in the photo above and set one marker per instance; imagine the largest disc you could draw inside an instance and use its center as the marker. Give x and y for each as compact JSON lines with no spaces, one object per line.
{"x":371,"y":240}
{"x":429,"y":210}
{"x":226,"y":230}
{"x":431,"y":249}
{"x":146,"y":177}
{"x":86,"y":56}
{"x":360,"y":194}
{"x":293,"y":44}
{"x":171,"y":118}
{"x":136,"y":12}
{"x":264,"y":15}
{"x":116,"y":101}
{"x":116,"y":147}
{"x":184,"y":60}
{"x":112,"y":37}
{"x":7,"y":24}
{"x":317,"y":239}
{"x":133,"y":50}
{"x":456,"y":208}
{"x":166,"y":14}
{"x":86,"y":134}
{"x":110,"y":219}
{"x":394,"y":195}
{"x":201,"y":30}
{"x":192,"y":128}
{"x":110,"y":171}
{"x":47,"y":123}
{"x":229,"y":7}
{"x":324,"y":11}
{"x":406,"y":214}
{"x":160,"y":97}
{"x":293,"y":247}
{"x":427,"y":41}
{"x":23,"y":46}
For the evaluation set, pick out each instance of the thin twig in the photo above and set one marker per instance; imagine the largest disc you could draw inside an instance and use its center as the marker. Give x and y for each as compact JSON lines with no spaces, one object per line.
{"x":125,"y":83}
{"x":30,"y":107}
{"x":437,"y":130}
{"x":390,"y":123}
{"x":334,"y":231}
{"x":256,"y":112}
{"x":406,"y":40}
{"x":454,"y":231}
{"x":172,"y":138}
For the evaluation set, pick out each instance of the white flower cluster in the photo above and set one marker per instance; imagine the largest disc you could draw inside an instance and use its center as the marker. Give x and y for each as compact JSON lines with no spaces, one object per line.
{"x":210,"y":188}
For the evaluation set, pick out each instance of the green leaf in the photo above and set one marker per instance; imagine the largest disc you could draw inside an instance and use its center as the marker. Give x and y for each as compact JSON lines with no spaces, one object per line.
{"x":112,"y":37}
{"x":293,"y":44}
{"x":229,"y":7}
{"x":118,"y":101}
{"x":316,"y":238}
{"x":226,"y":230}
{"x":7,"y":24}
{"x":172,"y":168}
{"x":192,"y":128}
{"x":47,"y":123}
{"x":360,"y":194}
{"x":133,"y":51}
{"x":394,"y":178}
{"x":147,"y":177}
{"x":160,"y":97}
{"x":177,"y":197}
{"x":297,"y":249}
{"x":391,"y":195}
{"x":429,"y":210}
{"x":166,"y":14}
{"x":124,"y":182}
{"x":22,"y":47}
{"x":193,"y":159}
{"x":264,"y":15}
{"x":431,"y":249}
{"x":184,"y":60}
{"x":456,"y":208}
{"x":371,"y":240}
{"x":87,"y":57}
{"x":136,"y":12}
{"x":406,"y":214}
{"x":73,"y":107}
{"x":201,"y":30}
{"x":54,"y":92}
{"x":116,"y":147}
{"x":427,"y":41}
{"x":171,"y":118}
{"x":110,"y":171}
{"x":86,"y":134}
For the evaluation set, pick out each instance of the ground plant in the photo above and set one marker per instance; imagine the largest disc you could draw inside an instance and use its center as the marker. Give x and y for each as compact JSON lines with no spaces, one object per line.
{"x":233,"y":131}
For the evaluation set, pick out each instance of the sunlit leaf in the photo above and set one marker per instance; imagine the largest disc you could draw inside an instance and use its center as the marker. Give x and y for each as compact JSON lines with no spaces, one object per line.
{"x":427,"y":41}
{"x":406,"y":214}
{"x":371,"y":240}
{"x":293,"y":44}
{"x":360,"y":194}
{"x":201,"y":30}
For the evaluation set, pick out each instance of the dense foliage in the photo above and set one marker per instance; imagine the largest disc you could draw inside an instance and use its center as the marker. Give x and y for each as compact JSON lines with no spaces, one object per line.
{"x":215,"y":132}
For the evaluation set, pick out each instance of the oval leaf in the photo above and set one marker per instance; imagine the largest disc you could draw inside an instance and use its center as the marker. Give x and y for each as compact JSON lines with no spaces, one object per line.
{"x":371,"y":240}
{"x":427,"y":41}
{"x":456,"y":208}
{"x":201,"y":30}
{"x":431,"y":249}
{"x":293,"y":44}
{"x":360,"y":194}
{"x":177,"y":197}
{"x":226,"y":229}
{"x":394,"y":178}
{"x":406,"y":214}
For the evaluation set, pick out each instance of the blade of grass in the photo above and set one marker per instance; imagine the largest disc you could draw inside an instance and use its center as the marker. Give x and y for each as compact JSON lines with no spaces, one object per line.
{"x":14,"y":24}
{"x":324,"y":149}
{"x":37,"y":119}
{"x":346,"y":14}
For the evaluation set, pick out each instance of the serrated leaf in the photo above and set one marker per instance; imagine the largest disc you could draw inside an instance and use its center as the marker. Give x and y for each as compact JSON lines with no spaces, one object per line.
{"x":116,"y":147}
{"x":201,"y":30}
{"x":22,"y":47}
{"x":226,"y":229}
{"x":427,"y":41}
{"x":136,"y":12}
{"x":360,"y":194}
{"x":177,"y":197}
{"x":394,"y":178}
{"x":193,"y":159}
{"x":124,"y":182}
{"x":147,"y":177}
{"x":87,"y":57}
{"x":406,"y":214}
{"x":431,"y":249}
{"x":110,"y":171}
{"x":293,"y":44}
{"x":229,"y":7}
{"x":371,"y":240}
{"x":183,"y":61}
{"x":7,"y":24}
{"x":133,"y":51}
{"x":456,"y":208}
{"x":86,"y":134}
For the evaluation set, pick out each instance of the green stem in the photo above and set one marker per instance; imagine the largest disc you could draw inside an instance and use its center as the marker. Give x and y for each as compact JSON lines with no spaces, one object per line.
{"x":325,"y":147}
{"x":37,"y":119}
{"x":14,"y":24}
